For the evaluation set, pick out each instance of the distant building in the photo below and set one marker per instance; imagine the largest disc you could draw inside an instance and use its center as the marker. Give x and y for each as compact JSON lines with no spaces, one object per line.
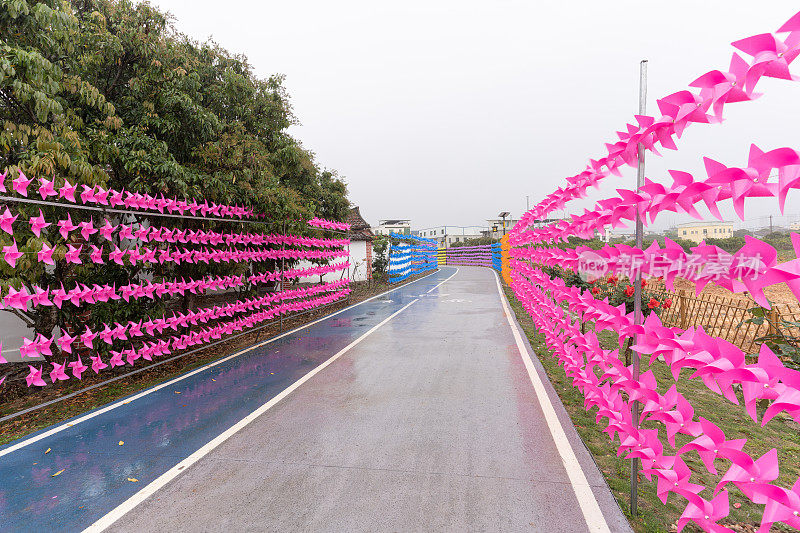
{"x":698,"y":231}
{"x":794,"y":226}
{"x":395,"y":225}
{"x":447,"y":235}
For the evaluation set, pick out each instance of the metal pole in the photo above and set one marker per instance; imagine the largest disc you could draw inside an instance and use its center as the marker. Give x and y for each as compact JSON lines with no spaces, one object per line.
{"x":283,"y":265}
{"x":637,"y":286}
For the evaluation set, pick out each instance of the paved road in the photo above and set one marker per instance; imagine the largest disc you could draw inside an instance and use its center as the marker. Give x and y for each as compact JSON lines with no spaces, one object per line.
{"x":415,"y":411}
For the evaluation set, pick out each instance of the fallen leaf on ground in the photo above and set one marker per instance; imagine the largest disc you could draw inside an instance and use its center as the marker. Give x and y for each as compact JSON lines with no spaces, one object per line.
{"x":177,"y":392}
{"x":133,"y":479}
{"x":121,"y":442}
{"x":57,"y":473}
{"x":47,"y":451}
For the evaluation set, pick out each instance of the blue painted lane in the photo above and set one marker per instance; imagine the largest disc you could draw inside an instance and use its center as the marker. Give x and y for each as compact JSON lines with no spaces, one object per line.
{"x":105,"y":459}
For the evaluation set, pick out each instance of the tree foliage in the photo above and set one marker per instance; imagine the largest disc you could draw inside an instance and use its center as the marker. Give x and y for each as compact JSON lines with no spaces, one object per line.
{"x":106,"y":92}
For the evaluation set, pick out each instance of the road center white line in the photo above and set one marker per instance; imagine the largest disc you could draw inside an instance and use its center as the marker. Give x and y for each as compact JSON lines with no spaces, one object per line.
{"x":583,"y":492}
{"x":118,"y":512}
{"x":437,"y":286}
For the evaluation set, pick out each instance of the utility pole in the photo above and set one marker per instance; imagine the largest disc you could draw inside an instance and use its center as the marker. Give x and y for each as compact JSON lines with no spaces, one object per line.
{"x":527,"y":203}
{"x":637,"y":286}
{"x":770,"y":224}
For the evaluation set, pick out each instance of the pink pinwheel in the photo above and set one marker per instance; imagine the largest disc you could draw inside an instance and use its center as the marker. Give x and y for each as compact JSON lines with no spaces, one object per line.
{"x":771,"y":57}
{"x":712,"y":444}
{"x":35,"y":377}
{"x":106,"y":335}
{"x":783,"y":506}
{"x":78,"y":368}
{"x":46,"y":189}
{"x":11,"y":254}
{"x":728,"y":87}
{"x":17,"y":299}
{"x":73,"y":254}
{"x":87,"y":229}
{"x":678,"y":480}
{"x":59,"y":295}
{"x":117,"y":256}
{"x":67,"y":191}
{"x":101,"y":196}
{"x":65,"y":342}
{"x":38,"y":224}
{"x":116,"y":359}
{"x":58,"y":374}
{"x":2,"y":182}
{"x":97,"y":254}
{"x":41,"y":297}
{"x":125,"y":231}
{"x":21,"y":184}
{"x":43,"y":344}
{"x":787,"y":161}
{"x":751,"y":476}
{"x":45,"y":255}
{"x":7,"y":221}
{"x":107,"y":230}
{"x":97,"y":363}
{"x":65,"y":226}
{"x":707,"y":514}
{"x":29,"y":348}
{"x":87,"y":337}
{"x":87,"y":196}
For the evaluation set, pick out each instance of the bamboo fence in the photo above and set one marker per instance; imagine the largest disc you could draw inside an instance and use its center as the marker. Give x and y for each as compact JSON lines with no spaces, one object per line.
{"x":725,"y":317}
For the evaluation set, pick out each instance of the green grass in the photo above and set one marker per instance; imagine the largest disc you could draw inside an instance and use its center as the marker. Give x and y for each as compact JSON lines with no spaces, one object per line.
{"x":781,"y":433}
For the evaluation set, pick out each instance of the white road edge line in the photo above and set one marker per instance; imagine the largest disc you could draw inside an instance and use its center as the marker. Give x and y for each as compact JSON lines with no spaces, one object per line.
{"x":145,"y":392}
{"x":442,"y":283}
{"x":583,"y":492}
{"x":118,"y":512}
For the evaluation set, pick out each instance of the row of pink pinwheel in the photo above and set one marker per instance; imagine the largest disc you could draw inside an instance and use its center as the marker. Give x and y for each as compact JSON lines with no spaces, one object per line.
{"x":96,"y":195}
{"x":723,"y":183}
{"x":608,"y":384}
{"x":147,"y":350}
{"x":41,"y":345}
{"x":161,"y":234}
{"x":770,"y":57}
{"x":753,"y":268}
{"x":26,"y":298}
{"x":328,"y":224}
{"x":74,"y":254}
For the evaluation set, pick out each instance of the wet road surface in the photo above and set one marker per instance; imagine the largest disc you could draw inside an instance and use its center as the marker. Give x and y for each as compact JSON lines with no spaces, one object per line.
{"x":426,"y":420}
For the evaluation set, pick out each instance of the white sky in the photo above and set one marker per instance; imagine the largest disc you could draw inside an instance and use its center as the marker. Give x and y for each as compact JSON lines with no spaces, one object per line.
{"x":448,"y":112}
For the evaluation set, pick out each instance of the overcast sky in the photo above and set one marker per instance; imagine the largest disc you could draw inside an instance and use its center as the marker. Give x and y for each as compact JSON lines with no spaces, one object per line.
{"x":448,"y":112}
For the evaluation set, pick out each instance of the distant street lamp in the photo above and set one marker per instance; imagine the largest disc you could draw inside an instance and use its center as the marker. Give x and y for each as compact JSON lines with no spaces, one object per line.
{"x":503,"y":215}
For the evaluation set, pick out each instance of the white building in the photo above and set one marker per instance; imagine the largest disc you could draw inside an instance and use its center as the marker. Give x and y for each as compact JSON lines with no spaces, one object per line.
{"x":699,"y":231}
{"x":794,"y":226}
{"x":447,"y":235}
{"x":395,"y":225}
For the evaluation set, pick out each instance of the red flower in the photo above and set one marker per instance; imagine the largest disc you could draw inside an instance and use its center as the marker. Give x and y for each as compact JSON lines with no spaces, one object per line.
{"x":653,"y":303}
{"x":595,"y":290}
{"x":629,"y":290}
{"x":667,"y":303}
{"x":612,"y":280}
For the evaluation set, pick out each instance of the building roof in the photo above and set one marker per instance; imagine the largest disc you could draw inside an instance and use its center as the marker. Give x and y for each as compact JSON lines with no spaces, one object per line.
{"x":395,"y":222}
{"x":704,"y":224}
{"x":359,"y":228}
